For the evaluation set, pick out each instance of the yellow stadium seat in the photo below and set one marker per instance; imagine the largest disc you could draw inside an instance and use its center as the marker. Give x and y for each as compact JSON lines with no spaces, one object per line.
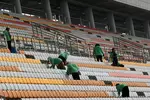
{"x":26,"y":80}
{"x":1,"y":58}
{"x":18,"y":81}
{"x":12,"y":80}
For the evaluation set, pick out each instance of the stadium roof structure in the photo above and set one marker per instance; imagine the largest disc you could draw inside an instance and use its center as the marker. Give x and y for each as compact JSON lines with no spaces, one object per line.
{"x":77,"y":9}
{"x":101,"y":5}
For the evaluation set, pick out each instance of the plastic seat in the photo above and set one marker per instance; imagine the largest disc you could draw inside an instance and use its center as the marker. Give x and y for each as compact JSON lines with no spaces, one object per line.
{"x":33,"y":94}
{"x":15,"y":95}
{"x":72,"y":94}
{"x":21,"y":94}
{"x":52,"y":94}
{"x":5,"y":93}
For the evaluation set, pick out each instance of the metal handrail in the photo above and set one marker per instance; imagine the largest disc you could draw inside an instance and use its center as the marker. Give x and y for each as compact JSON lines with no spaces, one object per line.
{"x":54,"y":42}
{"x":136,"y":50}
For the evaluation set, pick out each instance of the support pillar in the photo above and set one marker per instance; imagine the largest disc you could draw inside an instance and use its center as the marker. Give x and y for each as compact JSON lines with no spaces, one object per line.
{"x":90,"y":17}
{"x":65,"y":11}
{"x":111,"y":22}
{"x":147,"y":29}
{"x":48,"y":9}
{"x":130,"y":26}
{"x":18,"y":7}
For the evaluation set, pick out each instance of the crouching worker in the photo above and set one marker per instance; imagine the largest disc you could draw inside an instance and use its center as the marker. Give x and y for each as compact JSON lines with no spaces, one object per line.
{"x":55,"y":62}
{"x":74,"y":70}
{"x":124,"y":89}
{"x":115,"y":58}
{"x":63,"y":56}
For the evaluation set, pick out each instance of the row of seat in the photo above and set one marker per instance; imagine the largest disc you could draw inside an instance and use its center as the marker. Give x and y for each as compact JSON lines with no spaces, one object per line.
{"x":147,"y":98}
{"x":17,"y":22}
{"x":11,"y":18}
{"x":12,"y":26}
{"x":100,"y":66}
{"x":95,"y":71}
{"x":28,"y":39}
{"x":44,"y":56}
{"x":136,"y":64}
{"x":53,"y":94}
{"x":4,"y":50}
{"x":129,"y":75}
{"x":10,"y":68}
{"x":29,"y":80}
{"x":5,"y":16}
{"x":44,"y":22}
{"x":25,"y":65}
{"x":25,"y":80}
{"x":12,"y":55}
{"x":138,"y":69}
{"x":22,"y":60}
{"x":130,"y":69}
{"x":58,"y":75}
{"x":86,"y":73}
{"x":63,"y":26}
{"x":47,"y":87}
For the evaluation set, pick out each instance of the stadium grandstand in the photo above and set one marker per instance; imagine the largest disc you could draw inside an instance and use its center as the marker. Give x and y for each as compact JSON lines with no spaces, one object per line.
{"x":44,"y":28}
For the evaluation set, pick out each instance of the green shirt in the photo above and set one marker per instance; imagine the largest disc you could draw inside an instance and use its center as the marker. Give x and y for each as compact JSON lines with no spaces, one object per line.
{"x":54,"y":61}
{"x":120,"y":87}
{"x":7,"y":35}
{"x":97,"y":51}
{"x":64,"y":54}
{"x":72,"y":68}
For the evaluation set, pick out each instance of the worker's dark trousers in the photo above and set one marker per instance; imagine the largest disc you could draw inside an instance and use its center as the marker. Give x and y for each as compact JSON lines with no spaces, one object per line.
{"x":115,"y":61}
{"x":76,"y":76}
{"x":125,"y":92}
{"x":9,"y":45}
{"x":99,"y":58}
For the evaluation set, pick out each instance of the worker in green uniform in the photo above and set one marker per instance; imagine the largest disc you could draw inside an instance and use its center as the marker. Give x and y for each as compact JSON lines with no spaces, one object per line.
{"x":64,"y":56}
{"x":124,"y":89}
{"x":56,"y":62}
{"x":98,"y":53}
{"x":114,"y":56}
{"x":74,"y":70}
{"x":7,"y":37}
